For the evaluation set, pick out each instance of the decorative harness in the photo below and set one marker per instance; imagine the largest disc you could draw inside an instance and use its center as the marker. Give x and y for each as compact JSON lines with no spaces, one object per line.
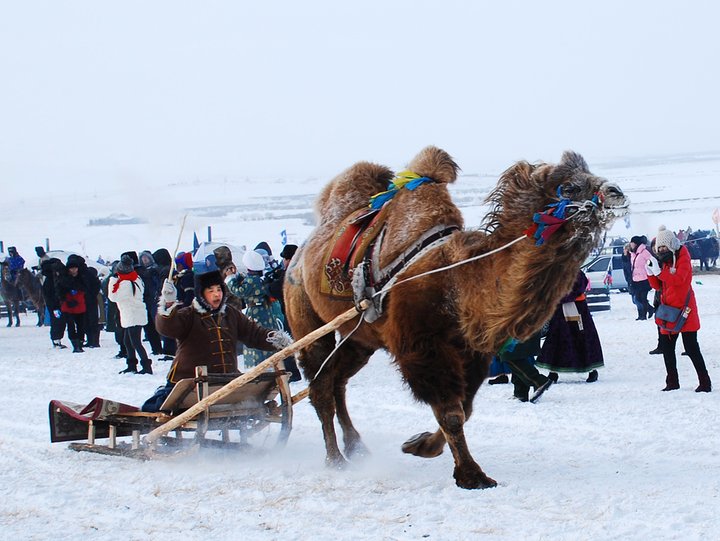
{"x":372,"y":282}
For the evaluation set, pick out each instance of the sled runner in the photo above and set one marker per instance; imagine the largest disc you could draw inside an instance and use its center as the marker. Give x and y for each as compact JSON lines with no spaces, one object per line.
{"x":256,"y":415}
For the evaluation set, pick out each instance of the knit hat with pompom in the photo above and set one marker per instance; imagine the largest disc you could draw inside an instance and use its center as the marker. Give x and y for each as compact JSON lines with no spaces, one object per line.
{"x":666,"y":238}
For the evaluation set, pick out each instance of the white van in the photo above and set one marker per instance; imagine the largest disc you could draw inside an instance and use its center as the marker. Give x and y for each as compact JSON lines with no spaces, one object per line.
{"x":605,"y":270}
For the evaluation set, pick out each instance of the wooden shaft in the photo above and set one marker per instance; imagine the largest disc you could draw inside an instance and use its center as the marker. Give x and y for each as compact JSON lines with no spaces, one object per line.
{"x":174,"y":254}
{"x":300,"y":395}
{"x":250,"y":375}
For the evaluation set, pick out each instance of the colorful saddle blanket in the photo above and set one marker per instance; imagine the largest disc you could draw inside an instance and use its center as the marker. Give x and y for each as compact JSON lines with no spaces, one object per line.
{"x":350,"y":243}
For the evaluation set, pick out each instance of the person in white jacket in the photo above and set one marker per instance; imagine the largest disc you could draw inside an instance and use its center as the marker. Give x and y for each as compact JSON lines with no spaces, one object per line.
{"x":126,"y":290}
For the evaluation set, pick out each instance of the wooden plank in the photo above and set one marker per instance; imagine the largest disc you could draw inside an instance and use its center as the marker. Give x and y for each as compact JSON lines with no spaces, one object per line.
{"x":270,"y":362}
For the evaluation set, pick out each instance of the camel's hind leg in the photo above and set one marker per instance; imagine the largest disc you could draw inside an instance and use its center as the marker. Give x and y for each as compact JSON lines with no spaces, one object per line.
{"x":468,"y":473}
{"x":432,"y":444}
{"x":447,"y":378}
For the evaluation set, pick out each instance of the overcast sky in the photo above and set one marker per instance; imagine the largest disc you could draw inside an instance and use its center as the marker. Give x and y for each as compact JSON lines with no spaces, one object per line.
{"x":157,"y":91}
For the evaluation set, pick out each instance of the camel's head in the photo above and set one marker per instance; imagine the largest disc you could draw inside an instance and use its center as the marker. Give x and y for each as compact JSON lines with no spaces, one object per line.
{"x":588,"y":195}
{"x":586,"y":203}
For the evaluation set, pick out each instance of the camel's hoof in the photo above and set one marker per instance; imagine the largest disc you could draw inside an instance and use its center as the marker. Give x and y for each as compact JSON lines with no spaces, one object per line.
{"x":473,"y":479}
{"x":357,"y":449}
{"x":418,"y":445}
{"x":336,"y":463}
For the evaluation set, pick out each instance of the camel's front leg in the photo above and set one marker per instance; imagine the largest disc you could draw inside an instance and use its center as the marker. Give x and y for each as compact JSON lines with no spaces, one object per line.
{"x":322,"y":399}
{"x":467,"y":473}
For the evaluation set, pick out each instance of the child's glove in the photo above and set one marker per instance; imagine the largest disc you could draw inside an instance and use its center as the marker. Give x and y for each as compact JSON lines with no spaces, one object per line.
{"x":168,"y":292}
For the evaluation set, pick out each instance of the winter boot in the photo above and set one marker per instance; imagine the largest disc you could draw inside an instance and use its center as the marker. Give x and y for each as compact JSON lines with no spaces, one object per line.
{"x":592,"y":376}
{"x":656,"y":351}
{"x":540,"y":390}
{"x":131,"y":366}
{"x":705,"y":386}
{"x":94,"y":339}
{"x":502,"y":378}
{"x":59,"y":344}
{"x":77,"y":346}
{"x":671,"y":382}
{"x":146,"y":367}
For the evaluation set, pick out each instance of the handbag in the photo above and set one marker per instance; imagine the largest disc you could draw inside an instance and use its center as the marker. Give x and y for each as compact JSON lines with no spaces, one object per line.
{"x":672,"y":319}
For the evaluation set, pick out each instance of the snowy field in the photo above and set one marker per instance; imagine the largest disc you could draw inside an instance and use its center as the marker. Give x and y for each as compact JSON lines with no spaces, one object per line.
{"x":616,"y":459}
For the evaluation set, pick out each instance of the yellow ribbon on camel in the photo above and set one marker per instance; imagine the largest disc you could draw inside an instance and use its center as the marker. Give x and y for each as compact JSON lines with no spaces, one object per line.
{"x":404,"y":179}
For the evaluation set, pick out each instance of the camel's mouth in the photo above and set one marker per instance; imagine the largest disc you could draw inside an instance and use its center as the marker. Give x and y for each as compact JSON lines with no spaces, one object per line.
{"x":611,"y":209}
{"x":619,"y":210}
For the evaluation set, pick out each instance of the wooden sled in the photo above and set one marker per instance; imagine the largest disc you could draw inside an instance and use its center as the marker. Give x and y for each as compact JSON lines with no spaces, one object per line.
{"x":260,"y":410}
{"x":251,"y":405}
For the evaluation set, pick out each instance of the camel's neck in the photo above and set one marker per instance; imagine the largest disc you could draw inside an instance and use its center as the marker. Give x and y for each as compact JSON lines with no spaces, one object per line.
{"x":513,"y":292}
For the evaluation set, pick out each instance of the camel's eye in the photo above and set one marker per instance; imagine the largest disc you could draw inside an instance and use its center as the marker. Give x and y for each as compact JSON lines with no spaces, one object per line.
{"x":569,"y":190}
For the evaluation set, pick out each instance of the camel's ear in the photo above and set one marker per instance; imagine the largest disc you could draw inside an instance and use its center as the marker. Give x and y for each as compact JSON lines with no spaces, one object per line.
{"x":436,"y":164}
{"x":573,"y":160}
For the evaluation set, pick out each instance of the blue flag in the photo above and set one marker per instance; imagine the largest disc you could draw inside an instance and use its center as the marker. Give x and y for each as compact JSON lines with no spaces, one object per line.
{"x":283,"y":237}
{"x":196,"y":243}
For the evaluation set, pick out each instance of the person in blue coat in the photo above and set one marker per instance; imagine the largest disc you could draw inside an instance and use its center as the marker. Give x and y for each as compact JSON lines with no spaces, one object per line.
{"x":261,"y":307}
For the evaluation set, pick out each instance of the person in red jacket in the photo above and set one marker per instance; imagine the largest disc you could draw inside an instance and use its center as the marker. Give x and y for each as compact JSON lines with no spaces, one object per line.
{"x":671,"y":274}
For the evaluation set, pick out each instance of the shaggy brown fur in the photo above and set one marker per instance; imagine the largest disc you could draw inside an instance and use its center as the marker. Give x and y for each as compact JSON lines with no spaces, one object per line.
{"x":443,"y":328}
{"x":11,"y":296}
{"x":32,"y":288}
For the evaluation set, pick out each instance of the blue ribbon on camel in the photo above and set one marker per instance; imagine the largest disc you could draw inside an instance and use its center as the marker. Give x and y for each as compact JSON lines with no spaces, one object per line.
{"x":404,"y":179}
{"x":549,"y":221}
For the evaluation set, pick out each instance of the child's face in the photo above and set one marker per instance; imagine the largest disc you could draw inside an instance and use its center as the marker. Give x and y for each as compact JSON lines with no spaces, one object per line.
{"x":213,"y":296}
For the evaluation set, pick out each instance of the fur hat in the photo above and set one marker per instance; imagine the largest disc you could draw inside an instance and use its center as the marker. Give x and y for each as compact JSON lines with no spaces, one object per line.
{"x":75,"y":260}
{"x":288,"y":251}
{"x":132,"y":255}
{"x":125,"y":266}
{"x":208,"y":279}
{"x":223,"y":257}
{"x":253,"y":261}
{"x":162,"y":257}
{"x":666,"y":238}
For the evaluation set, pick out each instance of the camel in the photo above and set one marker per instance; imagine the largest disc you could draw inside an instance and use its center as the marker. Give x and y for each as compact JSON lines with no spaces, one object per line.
{"x":11,"y":295}
{"x":443,"y":328}
{"x":30,"y":285}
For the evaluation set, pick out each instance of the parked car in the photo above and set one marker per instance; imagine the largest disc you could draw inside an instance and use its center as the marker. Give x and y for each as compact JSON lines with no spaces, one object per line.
{"x":606,"y":270}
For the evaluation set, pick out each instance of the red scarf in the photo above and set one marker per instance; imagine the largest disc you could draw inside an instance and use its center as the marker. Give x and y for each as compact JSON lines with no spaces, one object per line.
{"x":130,"y":277}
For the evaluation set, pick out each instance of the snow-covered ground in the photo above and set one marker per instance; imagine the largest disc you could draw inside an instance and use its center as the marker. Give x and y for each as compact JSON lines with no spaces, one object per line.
{"x":616,"y":459}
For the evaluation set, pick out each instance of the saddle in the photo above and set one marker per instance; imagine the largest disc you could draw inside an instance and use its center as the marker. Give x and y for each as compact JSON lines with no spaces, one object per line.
{"x":347,"y":250}
{"x":352,"y":271}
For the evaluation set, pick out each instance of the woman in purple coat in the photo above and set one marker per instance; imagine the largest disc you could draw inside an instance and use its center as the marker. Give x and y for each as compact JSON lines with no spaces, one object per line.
{"x":572,"y":343}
